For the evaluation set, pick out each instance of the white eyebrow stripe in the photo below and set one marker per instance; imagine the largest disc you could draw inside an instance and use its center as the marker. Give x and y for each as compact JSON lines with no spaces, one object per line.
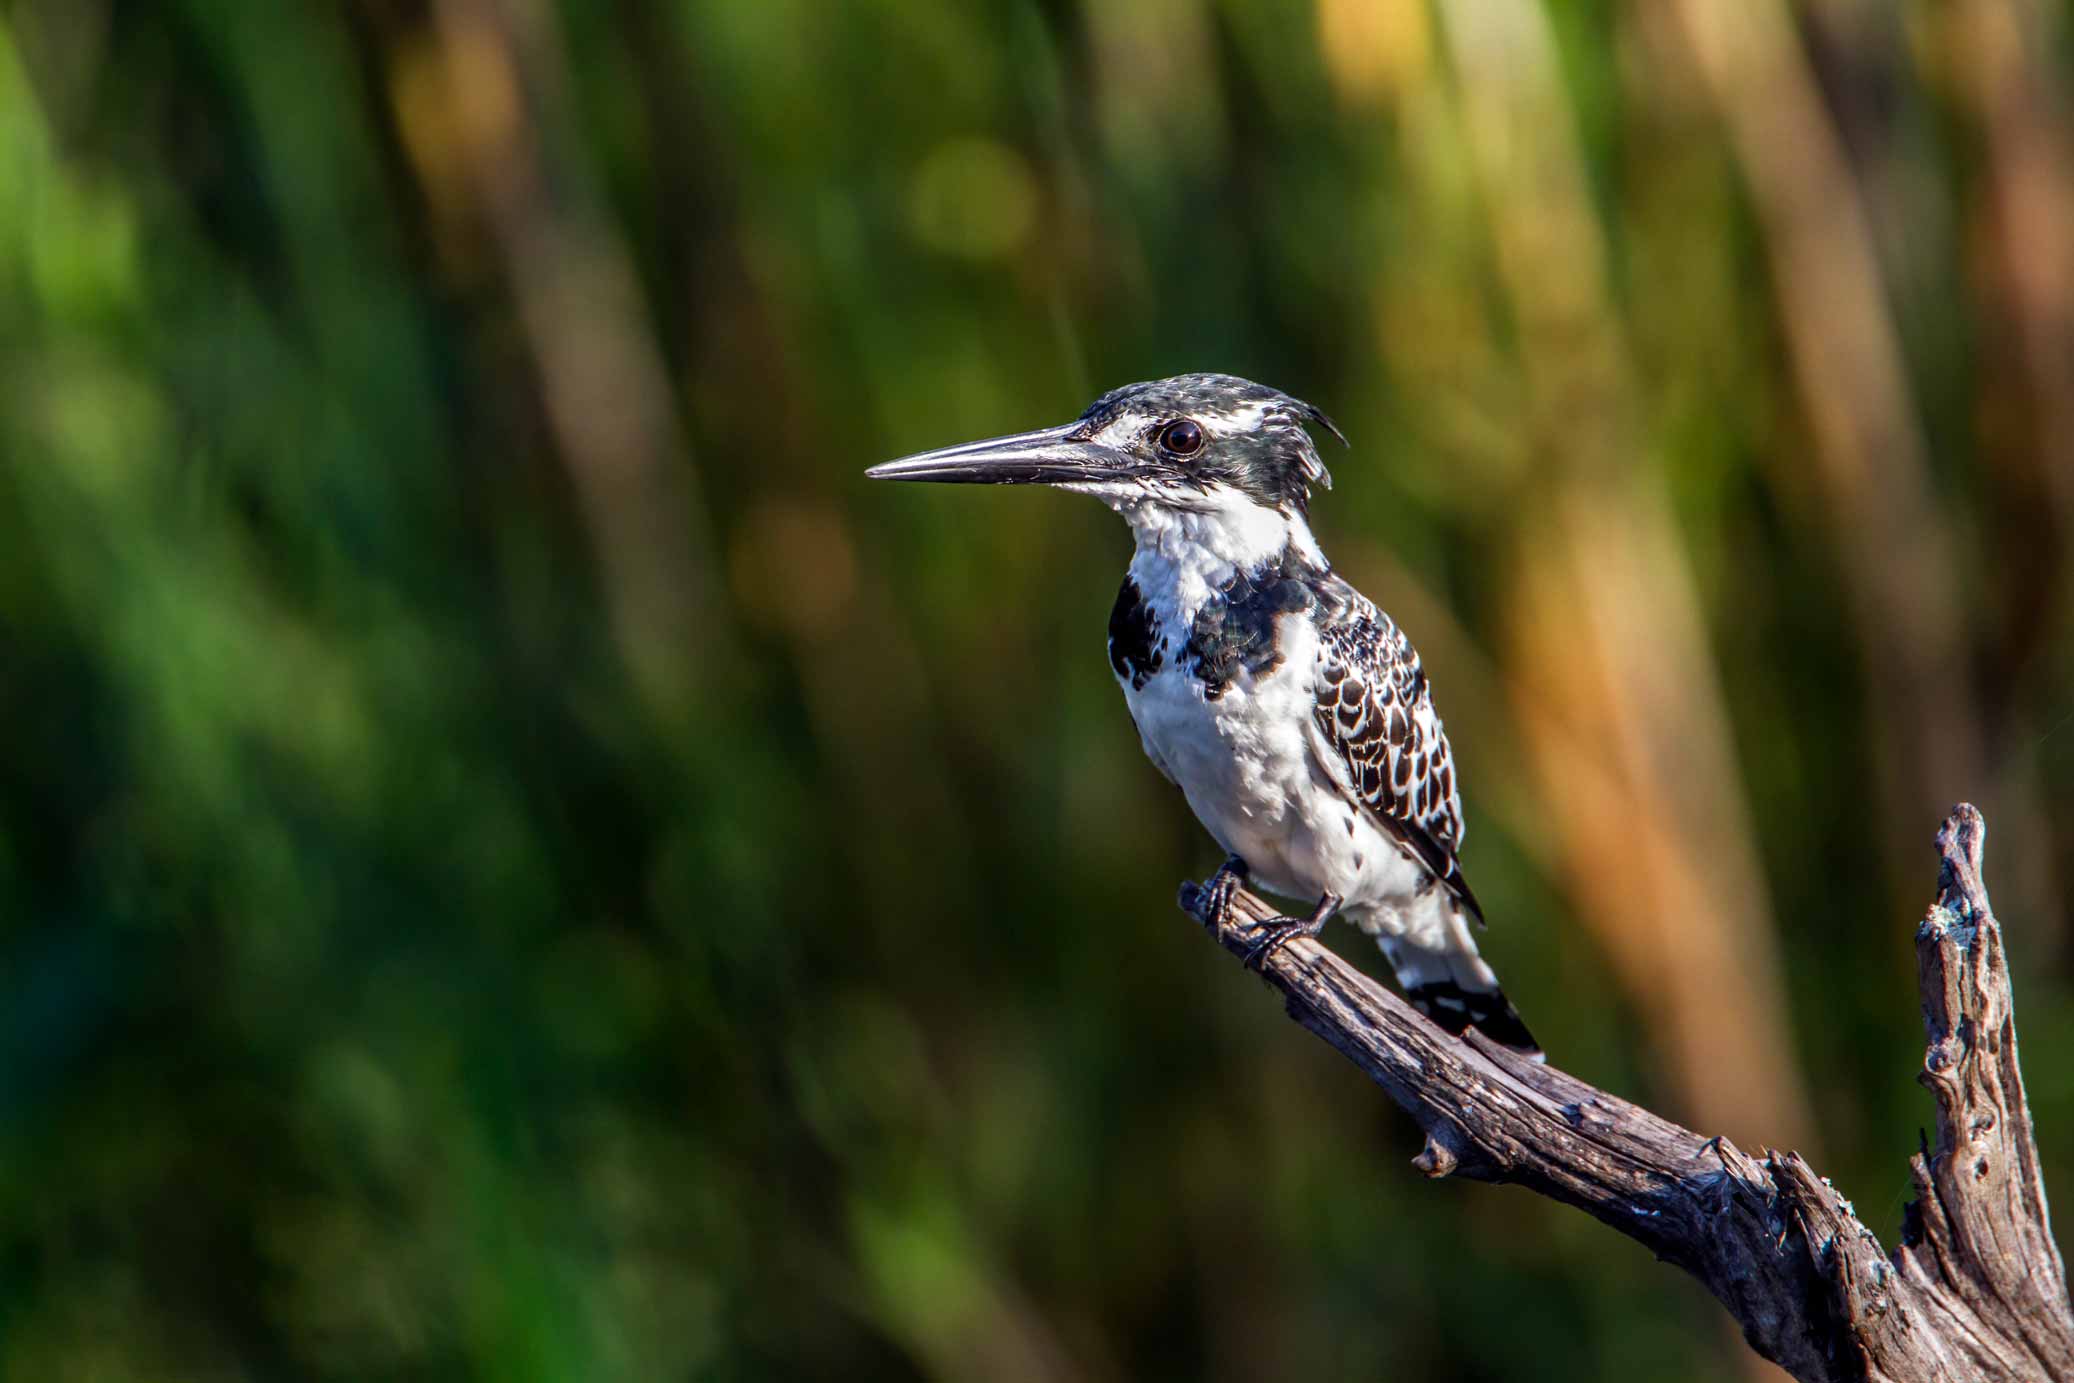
{"x":1243,"y":417}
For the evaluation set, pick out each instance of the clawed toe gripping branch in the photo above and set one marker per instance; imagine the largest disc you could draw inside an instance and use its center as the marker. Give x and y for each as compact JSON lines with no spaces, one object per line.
{"x":1975,"y":1290}
{"x":1210,"y":903}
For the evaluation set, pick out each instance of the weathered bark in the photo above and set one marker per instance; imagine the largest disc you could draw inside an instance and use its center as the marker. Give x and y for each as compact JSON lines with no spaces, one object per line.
{"x":1976,"y":1291}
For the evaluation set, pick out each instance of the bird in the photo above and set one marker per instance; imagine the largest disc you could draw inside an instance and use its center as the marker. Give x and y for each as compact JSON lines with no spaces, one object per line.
{"x":1290,"y":710}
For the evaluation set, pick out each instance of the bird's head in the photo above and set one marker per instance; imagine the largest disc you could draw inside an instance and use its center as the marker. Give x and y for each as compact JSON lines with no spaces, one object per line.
{"x":1193,"y":443}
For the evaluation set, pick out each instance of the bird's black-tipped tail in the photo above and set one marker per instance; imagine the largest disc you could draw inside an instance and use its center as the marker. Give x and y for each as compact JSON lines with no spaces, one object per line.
{"x":1489,"y":1012}
{"x":1456,"y":989}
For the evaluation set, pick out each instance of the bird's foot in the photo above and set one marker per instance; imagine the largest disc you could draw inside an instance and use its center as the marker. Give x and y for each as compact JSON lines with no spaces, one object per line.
{"x":1277,"y":932}
{"x":1210,"y":901}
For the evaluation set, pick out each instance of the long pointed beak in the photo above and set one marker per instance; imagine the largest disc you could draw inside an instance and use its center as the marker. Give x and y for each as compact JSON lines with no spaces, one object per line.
{"x":1049,"y":456}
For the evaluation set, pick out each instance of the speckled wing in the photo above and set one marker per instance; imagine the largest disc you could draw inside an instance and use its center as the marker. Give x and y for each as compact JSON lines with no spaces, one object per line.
{"x":1382,"y":739}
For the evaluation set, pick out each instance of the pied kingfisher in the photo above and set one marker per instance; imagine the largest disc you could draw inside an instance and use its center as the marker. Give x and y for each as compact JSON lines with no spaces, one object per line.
{"x":1292,"y":713}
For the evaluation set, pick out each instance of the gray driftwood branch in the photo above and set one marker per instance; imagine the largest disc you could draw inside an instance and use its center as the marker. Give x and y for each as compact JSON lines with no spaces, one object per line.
{"x":1975,"y":1291}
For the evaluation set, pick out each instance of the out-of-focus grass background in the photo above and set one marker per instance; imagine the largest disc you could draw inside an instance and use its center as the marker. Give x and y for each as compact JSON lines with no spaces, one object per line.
{"x":517,"y":862}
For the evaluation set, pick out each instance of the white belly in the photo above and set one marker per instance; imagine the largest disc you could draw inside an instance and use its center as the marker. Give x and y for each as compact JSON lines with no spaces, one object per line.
{"x":1246,"y":764}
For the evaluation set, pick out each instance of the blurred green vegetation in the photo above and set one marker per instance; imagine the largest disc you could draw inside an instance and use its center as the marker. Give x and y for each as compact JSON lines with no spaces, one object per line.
{"x":517,"y":862}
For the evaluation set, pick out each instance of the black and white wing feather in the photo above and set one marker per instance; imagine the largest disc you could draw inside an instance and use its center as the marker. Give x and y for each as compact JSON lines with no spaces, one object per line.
{"x":1381,"y":738}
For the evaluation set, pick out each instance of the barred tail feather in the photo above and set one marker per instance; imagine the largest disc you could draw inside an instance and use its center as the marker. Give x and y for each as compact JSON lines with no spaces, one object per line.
{"x":1457,"y":990}
{"x":1488,"y":1011}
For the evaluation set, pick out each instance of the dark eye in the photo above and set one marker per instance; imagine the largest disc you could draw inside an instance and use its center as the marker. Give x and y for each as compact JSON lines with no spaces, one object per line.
{"x":1182,"y":437}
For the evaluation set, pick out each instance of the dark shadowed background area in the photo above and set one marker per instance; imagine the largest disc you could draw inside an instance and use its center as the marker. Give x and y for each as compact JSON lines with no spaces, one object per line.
{"x":517,"y":862}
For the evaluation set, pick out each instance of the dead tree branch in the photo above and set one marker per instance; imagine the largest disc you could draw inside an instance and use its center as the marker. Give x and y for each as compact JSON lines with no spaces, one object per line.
{"x":1976,"y":1290}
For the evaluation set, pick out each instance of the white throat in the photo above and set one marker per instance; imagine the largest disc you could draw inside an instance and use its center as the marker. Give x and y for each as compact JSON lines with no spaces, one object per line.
{"x":1183,"y":555}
